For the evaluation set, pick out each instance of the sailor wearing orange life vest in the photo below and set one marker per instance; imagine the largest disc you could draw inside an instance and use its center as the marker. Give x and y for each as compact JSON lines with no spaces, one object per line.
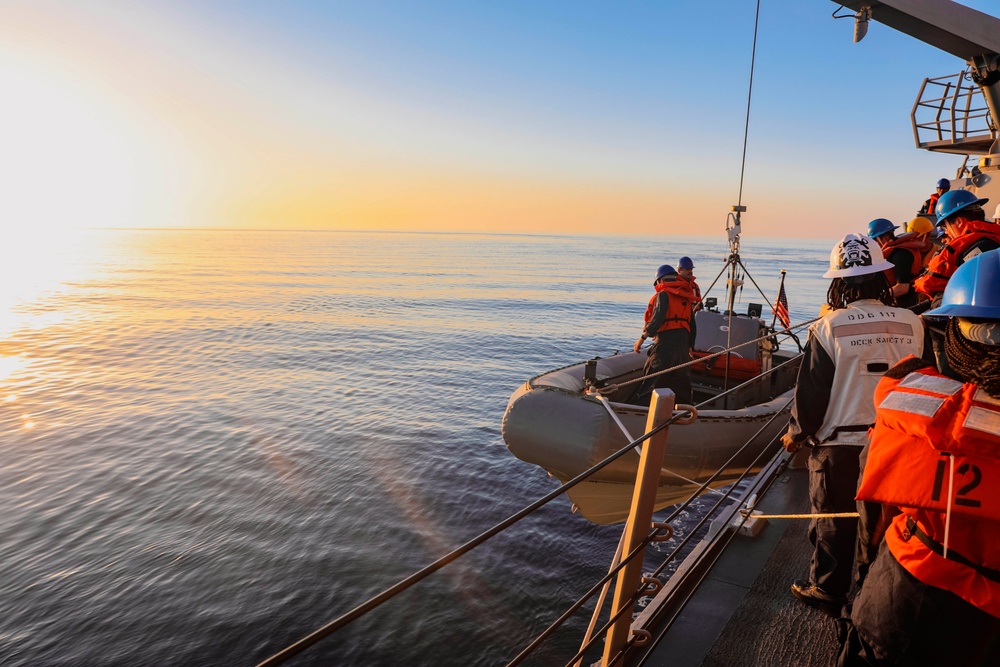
{"x":926,"y":234}
{"x":845,"y":355}
{"x":932,"y":597}
{"x":685,"y":269}
{"x":905,"y":253}
{"x":961,"y":214}
{"x":669,"y":321}
{"x":943,"y":185}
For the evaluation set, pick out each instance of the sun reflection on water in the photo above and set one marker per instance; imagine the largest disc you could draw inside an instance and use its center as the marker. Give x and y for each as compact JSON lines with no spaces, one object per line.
{"x":9,"y":366}
{"x":34,"y":264}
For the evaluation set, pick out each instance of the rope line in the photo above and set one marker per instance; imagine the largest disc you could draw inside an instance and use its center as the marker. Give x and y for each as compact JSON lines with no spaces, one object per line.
{"x":638,"y":450}
{"x":827,"y":515}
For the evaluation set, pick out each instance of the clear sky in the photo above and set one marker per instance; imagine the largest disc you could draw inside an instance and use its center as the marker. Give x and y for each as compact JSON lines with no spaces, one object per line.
{"x":542,"y":116}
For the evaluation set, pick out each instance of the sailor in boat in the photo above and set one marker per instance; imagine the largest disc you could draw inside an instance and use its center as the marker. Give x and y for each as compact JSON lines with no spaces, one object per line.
{"x":904,"y":253}
{"x":968,"y":234}
{"x":669,"y":321}
{"x":685,"y":269}
{"x":930,"y":204}
{"x":932,"y":597}
{"x":845,"y":355}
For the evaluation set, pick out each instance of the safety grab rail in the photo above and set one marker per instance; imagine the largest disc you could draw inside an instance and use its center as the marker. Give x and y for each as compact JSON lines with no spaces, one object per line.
{"x":391,"y":592}
{"x":787,"y":331}
{"x":954,"y":113}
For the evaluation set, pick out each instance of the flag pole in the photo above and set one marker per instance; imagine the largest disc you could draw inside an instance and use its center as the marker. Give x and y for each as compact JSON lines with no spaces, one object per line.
{"x":774,"y":308}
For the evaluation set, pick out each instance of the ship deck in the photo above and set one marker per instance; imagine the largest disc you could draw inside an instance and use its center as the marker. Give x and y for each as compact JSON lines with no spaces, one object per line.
{"x":742,"y":612}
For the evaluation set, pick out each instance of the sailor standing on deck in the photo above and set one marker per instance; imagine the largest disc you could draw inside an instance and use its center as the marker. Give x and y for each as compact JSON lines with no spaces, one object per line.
{"x":845,"y":356}
{"x":670,"y":323}
{"x":969,"y":234}
{"x":932,"y":596}
{"x":906,"y":256}
{"x":926,"y":234}
{"x":943,"y":186}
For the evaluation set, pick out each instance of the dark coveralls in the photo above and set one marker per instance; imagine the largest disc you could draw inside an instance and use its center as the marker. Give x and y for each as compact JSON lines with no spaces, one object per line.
{"x":902,"y":261}
{"x":670,"y":348}
{"x":911,"y":622}
{"x":833,"y":477}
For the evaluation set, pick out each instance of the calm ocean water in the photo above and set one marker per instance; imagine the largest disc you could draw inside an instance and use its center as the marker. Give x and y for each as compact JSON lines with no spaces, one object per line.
{"x":213,"y":443}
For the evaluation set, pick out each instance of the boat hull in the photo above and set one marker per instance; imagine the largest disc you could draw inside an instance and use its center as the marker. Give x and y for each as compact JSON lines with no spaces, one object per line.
{"x":551,"y":422}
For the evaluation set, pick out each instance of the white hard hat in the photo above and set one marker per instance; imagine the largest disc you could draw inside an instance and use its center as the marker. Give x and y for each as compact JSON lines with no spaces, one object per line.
{"x":856,"y":255}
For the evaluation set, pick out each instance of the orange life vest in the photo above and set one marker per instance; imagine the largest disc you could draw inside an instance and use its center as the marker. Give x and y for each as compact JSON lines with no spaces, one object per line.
{"x":679,"y":300}
{"x":935,"y":453}
{"x":984,"y":235}
{"x":932,"y":203}
{"x":927,"y":248}
{"x":911,"y":244}
{"x":695,"y":293}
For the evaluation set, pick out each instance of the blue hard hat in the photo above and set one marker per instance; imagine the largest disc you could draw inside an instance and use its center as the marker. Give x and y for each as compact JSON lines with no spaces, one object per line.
{"x":971,"y":291}
{"x":880,"y":226}
{"x":944,"y":184}
{"x":954,"y":201}
{"x":663,"y":271}
{"x":685,"y":263}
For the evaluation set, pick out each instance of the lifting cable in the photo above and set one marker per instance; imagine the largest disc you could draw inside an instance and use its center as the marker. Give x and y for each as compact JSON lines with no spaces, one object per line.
{"x":746,"y":127}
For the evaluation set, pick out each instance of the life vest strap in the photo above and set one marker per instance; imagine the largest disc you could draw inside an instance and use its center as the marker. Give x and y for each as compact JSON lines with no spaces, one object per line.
{"x":851,"y":428}
{"x":914,"y":528}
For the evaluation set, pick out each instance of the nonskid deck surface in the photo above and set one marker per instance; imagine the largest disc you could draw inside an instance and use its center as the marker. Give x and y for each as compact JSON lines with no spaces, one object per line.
{"x":743,"y":613}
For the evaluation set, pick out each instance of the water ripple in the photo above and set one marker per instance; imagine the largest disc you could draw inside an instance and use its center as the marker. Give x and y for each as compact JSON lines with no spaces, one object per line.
{"x":213,"y":443}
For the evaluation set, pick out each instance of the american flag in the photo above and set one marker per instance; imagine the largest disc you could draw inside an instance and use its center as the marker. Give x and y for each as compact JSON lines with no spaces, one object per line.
{"x":781,"y":307}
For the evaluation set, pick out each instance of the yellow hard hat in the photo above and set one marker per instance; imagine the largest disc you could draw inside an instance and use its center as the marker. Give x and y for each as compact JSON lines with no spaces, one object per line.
{"x":920,"y":226}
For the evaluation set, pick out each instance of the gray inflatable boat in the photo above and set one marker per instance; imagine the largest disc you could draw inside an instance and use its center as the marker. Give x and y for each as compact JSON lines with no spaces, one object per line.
{"x":554,"y":422}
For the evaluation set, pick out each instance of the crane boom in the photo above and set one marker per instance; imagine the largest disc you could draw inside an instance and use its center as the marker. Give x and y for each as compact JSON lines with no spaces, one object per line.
{"x":953,"y":28}
{"x":956,"y":29}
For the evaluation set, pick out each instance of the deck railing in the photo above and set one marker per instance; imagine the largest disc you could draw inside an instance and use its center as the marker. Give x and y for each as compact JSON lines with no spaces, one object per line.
{"x":950,"y":115}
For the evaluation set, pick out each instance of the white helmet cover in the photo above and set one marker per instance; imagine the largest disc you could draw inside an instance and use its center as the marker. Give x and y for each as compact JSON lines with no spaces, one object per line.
{"x":856,"y":255}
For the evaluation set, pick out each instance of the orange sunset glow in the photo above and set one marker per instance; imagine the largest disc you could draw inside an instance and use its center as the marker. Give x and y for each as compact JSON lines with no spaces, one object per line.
{"x":150,"y":115}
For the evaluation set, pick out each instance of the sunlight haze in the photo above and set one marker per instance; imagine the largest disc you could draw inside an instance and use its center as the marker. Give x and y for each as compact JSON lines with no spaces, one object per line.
{"x":553,"y":117}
